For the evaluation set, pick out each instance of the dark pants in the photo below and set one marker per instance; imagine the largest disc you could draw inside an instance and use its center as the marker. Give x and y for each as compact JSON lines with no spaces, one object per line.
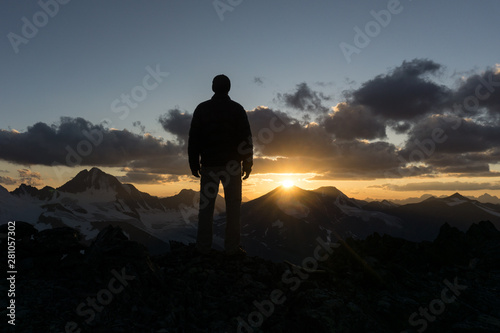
{"x":231,"y":181}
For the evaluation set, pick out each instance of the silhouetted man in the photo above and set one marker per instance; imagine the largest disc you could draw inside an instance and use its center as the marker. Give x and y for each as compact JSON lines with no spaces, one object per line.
{"x":220,"y":134}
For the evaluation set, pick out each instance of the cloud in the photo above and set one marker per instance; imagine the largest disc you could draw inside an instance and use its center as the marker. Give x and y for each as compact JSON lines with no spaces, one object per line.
{"x":29,"y":177}
{"x":397,"y":99}
{"x":139,"y":125}
{"x":452,"y":134}
{"x":277,"y":134}
{"x":161,"y":165}
{"x":304,"y":99}
{"x":479,"y":91}
{"x":145,"y":177}
{"x":26,"y":176}
{"x":440,"y":186}
{"x":451,"y":144}
{"x":351,"y":122}
{"x":76,"y":141}
{"x":403,"y":94}
{"x":7,"y":180}
{"x":178,"y":123}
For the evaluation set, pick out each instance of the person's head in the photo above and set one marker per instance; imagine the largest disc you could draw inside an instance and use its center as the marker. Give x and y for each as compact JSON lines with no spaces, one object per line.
{"x":221,"y":84}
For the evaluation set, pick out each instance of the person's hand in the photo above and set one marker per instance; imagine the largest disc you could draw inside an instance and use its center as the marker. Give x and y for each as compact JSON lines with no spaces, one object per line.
{"x":246,"y":173}
{"x":196,"y":172}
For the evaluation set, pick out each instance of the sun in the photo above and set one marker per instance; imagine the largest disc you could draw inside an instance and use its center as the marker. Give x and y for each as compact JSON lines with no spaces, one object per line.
{"x":287,"y":183}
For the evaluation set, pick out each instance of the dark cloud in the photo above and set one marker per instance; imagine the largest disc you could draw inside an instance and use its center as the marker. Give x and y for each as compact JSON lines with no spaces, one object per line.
{"x":451,"y":144}
{"x":479,"y":91}
{"x":369,"y":160}
{"x":161,"y":165}
{"x":277,"y":134}
{"x":258,"y":80}
{"x":7,"y":180}
{"x":145,"y":177}
{"x":76,"y":141}
{"x":139,"y":125}
{"x":177,"y":123}
{"x":350,"y":122}
{"x":451,"y":134}
{"x":304,"y":99}
{"x":405,"y":93}
{"x":472,"y":167}
{"x":396,"y":99}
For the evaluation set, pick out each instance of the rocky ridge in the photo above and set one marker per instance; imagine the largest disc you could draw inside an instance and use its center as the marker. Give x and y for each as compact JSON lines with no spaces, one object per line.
{"x":380,"y":284}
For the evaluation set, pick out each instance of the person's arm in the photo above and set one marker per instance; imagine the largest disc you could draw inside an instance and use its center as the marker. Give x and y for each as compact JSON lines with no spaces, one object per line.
{"x":246,"y":148}
{"x":194,"y":144}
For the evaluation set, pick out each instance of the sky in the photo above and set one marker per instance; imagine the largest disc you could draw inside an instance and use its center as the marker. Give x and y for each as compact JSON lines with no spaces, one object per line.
{"x":382,"y":99}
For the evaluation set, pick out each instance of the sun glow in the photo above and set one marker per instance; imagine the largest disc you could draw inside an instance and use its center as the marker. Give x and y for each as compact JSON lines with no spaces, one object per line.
{"x":287,"y":183}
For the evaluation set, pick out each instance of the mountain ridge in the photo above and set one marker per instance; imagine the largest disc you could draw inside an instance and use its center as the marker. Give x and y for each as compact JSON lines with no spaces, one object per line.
{"x":70,"y":186}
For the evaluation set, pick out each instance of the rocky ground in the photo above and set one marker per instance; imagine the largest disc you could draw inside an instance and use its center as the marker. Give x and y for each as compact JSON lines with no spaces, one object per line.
{"x":380,"y":284}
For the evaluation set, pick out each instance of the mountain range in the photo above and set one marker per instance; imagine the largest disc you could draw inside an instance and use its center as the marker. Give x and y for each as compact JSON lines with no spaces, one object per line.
{"x":484,"y":198}
{"x":280,"y":225}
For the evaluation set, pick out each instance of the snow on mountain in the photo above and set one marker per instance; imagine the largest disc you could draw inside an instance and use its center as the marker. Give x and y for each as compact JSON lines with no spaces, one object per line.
{"x":14,"y":208}
{"x":455,"y":199}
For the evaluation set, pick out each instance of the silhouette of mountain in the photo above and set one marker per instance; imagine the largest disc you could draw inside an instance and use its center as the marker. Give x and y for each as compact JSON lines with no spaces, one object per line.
{"x":487,"y":198}
{"x":44,"y":194}
{"x":423,"y":217}
{"x":380,"y":205}
{"x":95,"y":179}
{"x":412,"y":199}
